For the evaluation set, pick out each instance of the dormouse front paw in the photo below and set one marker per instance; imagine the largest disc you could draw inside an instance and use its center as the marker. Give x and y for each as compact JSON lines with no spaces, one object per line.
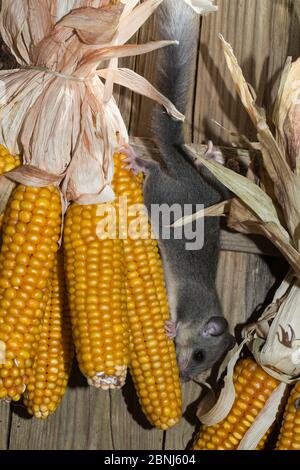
{"x":136,"y":164}
{"x":170,"y":329}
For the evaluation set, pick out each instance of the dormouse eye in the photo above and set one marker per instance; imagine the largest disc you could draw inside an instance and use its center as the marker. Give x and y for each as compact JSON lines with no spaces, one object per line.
{"x":199,"y":356}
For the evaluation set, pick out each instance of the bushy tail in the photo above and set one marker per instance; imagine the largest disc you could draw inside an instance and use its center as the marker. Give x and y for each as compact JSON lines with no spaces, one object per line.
{"x":176,"y":20}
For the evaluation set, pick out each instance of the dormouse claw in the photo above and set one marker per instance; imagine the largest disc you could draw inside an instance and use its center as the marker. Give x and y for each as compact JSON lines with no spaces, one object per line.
{"x":137,"y":164}
{"x":170,"y":329}
{"x":212,"y":154}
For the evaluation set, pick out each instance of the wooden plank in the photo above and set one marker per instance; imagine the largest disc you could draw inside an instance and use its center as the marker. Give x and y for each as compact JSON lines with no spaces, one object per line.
{"x":244,"y":282}
{"x":5,"y":415}
{"x":130,"y":429}
{"x":82,"y":422}
{"x":254,"y":244}
{"x":259,"y":32}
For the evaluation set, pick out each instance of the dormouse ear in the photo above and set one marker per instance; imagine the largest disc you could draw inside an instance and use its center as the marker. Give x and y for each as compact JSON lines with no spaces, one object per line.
{"x":216,"y":326}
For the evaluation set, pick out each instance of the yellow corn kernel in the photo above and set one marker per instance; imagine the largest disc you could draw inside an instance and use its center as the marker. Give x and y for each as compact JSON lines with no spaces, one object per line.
{"x":248,"y":377}
{"x":289,"y":438}
{"x":48,"y":378}
{"x":31,"y":233}
{"x":96,"y":278}
{"x":153,"y":363}
{"x":8,"y":162}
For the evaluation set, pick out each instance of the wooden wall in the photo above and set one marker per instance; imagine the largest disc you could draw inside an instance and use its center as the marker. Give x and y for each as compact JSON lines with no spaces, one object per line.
{"x":263,"y":33}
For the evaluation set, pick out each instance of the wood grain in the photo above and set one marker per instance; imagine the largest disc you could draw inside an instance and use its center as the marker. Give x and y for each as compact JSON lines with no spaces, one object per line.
{"x":82,"y":422}
{"x":233,"y":241}
{"x":243,"y":282}
{"x":5,"y":415}
{"x":130,"y":429}
{"x":262,"y":34}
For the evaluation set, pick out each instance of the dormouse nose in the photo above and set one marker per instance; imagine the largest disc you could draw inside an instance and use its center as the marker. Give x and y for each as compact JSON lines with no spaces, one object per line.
{"x":216,"y":326}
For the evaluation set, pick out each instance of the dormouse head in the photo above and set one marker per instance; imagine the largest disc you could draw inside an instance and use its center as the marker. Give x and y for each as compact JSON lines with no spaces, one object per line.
{"x":202,"y":337}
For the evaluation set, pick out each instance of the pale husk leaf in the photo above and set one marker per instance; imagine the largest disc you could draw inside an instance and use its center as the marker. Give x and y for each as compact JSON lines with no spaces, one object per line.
{"x":252,"y":196}
{"x":133,"y":81}
{"x":287,"y":113}
{"x":286,"y":185}
{"x":131,"y":23}
{"x":202,"y":7}
{"x":99,"y":31}
{"x":242,"y":219}
{"x":6,"y":188}
{"x":217,"y":210}
{"x":279,"y":352}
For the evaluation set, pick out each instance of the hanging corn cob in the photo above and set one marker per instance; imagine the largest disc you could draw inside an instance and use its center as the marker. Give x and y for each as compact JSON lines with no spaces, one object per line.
{"x":289,"y":438}
{"x":47,"y":379}
{"x":31,"y":232}
{"x":153,"y":360}
{"x":253,"y":387}
{"x":95,"y":271}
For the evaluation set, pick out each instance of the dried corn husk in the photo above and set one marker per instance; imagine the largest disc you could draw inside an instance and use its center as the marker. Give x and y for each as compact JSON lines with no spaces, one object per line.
{"x":287,"y":114}
{"x":270,"y":207}
{"x":202,"y":6}
{"x":277,"y":349}
{"x":55,"y":109}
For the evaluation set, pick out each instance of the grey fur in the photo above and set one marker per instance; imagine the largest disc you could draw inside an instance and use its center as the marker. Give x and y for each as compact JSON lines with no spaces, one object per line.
{"x":190,"y":275}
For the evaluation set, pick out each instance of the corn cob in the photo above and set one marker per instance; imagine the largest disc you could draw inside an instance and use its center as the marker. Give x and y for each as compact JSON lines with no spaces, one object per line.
{"x":153,"y":358}
{"x":253,"y":387}
{"x":8,"y":162}
{"x":31,"y":232}
{"x":96,"y":279}
{"x":48,"y":377}
{"x":289,"y":438}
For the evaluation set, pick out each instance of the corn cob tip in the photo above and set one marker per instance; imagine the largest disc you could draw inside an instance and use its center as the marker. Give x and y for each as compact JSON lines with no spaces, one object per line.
{"x":169,"y":424}
{"x":38,"y":411}
{"x":109,"y":382}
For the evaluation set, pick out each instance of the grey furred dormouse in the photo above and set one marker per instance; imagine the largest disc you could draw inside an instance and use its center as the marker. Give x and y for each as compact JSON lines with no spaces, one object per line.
{"x":198,"y":325}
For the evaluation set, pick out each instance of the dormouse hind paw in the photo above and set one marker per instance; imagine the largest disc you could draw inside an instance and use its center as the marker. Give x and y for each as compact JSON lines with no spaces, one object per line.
{"x":170,"y":329}
{"x":212,"y":153}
